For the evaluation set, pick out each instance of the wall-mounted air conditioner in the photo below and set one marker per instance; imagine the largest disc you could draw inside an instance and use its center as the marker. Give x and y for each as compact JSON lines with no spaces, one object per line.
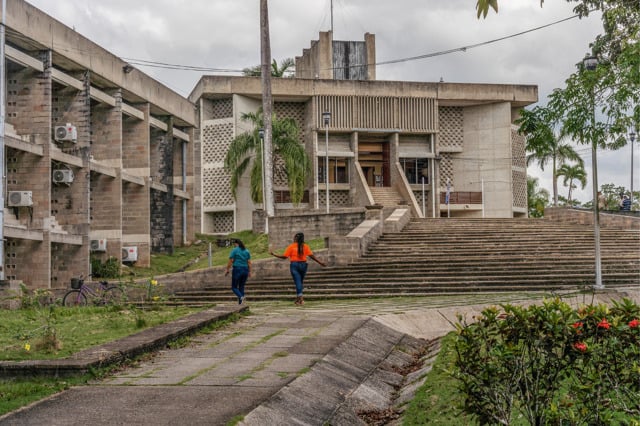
{"x":66,"y":133}
{"x":20,"y":199}
{"x":98,"y":245}
{"x":130,"y":254}
{"x":62,"y":176}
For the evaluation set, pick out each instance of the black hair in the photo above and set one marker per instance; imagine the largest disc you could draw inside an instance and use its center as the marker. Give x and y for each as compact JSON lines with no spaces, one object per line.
{"x":299,"y":238}
{"x":239,"y":243}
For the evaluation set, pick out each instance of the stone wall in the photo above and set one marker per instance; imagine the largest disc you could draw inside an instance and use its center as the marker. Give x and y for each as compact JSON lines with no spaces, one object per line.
{"x":314,"y":224}
{"x":585,"y":217}
{"x":347,"y":249}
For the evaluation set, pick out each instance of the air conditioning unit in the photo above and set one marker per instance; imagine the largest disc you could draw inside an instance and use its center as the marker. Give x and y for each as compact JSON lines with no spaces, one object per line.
{"x":130,"y":254}
{"x":20,"y":198}
{"x":62,"y":176}
{"x":98,"y":245}
{"x":66,"y":133}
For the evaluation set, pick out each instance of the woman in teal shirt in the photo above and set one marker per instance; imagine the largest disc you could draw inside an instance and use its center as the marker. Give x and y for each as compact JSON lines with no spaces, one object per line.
{"x":240,"y":259}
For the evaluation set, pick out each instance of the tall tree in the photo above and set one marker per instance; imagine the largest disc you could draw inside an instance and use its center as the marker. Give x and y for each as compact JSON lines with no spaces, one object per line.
{"x":246,"y":153}
{"x":284,"y":70}
{"x":544,"y":145}
{"x":614,"y":88}
{"x":537,"y":198}
{"x":572,"y":173}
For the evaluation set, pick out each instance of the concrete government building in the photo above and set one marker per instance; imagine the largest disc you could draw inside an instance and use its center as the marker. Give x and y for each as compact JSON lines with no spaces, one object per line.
{"x":387,"y":140}
{"x":102,"y":161}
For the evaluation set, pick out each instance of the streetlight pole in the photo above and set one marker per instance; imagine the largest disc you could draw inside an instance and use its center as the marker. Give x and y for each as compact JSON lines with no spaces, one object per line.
{"x":632,"y":138}
{"x":326,"y":118}
{"x":590,"y":63}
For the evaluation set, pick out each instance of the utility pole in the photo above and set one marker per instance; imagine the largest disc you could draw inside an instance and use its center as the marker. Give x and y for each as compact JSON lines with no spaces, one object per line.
{"x":267,"y":106}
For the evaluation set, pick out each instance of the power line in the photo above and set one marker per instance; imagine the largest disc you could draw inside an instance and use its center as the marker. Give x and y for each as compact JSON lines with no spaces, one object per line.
{"x":156,"y":64}
{"x":181,"y":67}
{"x":471,"y":46}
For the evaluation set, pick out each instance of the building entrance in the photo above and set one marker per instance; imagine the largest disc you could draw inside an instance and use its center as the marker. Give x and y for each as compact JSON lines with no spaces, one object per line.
{"x":373,"y":157}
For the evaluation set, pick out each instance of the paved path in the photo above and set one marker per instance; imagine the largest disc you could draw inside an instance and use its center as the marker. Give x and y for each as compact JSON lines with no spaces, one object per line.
{"x":232,"y":370}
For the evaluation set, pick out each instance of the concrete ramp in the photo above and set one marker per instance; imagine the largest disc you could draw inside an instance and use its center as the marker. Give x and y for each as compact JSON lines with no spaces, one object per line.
{"x":435,"y":322}
{"x":378,"y":368}
{"x":361,"y":374}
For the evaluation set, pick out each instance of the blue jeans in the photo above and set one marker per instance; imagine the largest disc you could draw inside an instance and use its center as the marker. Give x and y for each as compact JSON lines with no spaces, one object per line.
{"x":298,"y":271}
{"x":238,"y":280}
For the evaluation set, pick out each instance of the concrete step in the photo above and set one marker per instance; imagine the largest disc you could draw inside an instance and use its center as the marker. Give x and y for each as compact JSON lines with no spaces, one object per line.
{"x":469,"y":256}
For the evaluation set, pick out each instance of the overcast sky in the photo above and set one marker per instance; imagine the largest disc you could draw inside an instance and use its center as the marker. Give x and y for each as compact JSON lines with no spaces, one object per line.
{"x":224,"y":34}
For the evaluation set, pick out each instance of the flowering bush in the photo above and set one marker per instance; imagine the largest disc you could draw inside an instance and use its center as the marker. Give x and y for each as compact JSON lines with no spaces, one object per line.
{"x":551,"y":363}
{"x":152,"y":289}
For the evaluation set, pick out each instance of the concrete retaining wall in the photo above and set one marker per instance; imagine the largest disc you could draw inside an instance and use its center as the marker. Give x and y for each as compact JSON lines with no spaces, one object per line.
{"x":585,"y":217}
{"x":348,"y":249}
{"x":314,"y":224}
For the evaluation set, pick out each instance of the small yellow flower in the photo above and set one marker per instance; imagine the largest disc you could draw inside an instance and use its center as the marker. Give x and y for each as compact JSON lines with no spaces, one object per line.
{"x":154,"y":282}
{"x":27,"y":347}
{"x":156,"y":297}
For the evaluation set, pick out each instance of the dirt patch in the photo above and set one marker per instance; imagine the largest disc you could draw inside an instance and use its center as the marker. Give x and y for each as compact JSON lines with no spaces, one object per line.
{"x":379,"y":417}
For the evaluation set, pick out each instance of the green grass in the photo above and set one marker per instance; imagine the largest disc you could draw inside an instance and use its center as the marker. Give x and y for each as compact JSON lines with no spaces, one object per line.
{"x":23,"y":332}
{"x":16,"y":393}
{"x":438,"y":401}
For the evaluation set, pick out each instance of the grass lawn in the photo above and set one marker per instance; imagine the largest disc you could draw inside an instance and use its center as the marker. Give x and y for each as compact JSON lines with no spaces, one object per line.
{"x":57,"y":332}
{"x":438,"y":401}
{"x":16,"y":393}
{"x":75,"y":329}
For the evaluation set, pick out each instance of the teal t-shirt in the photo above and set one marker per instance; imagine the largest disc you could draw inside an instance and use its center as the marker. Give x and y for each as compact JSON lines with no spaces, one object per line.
{"x":240,"y":257}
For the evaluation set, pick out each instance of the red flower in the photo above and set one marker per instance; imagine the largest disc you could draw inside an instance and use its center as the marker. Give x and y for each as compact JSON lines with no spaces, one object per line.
{"x":604,"y":324}
{"x":634,"y":323}
{"x":581,"y":346}
{"x":577,"y":324}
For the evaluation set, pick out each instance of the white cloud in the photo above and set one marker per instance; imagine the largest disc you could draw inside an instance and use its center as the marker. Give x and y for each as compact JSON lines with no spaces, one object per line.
{"x":225,"y":34}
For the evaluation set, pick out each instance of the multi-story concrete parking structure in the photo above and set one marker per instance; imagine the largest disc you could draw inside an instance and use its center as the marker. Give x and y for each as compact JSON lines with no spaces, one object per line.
{"x":99,"y":156}
{"x":443,"y":149}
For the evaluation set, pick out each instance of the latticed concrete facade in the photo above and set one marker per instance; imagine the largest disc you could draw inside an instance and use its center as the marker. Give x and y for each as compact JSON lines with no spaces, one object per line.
{"x":418,"y":138}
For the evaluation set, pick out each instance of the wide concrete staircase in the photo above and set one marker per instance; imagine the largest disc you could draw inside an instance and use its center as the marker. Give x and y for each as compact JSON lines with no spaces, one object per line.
{"x":462,"y":256}
{"x":386,"y":196}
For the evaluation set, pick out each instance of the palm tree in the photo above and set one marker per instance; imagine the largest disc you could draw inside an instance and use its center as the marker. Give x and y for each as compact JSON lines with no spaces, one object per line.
{"x":284,"y":70}
{"x":537,"y":198}
{"x":544,"y":145}
{"x":571,"y":173}
{"x":245,"y":152}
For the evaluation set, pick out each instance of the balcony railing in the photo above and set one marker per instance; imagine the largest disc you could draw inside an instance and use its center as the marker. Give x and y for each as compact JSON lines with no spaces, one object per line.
{"x":461,"y":197}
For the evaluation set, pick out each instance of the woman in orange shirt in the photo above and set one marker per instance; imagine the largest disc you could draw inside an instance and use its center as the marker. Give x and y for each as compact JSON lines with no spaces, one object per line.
{"x":297,"y":253}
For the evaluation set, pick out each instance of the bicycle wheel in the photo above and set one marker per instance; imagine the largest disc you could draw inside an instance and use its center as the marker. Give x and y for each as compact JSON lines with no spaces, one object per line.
{"x":113,"y":296}
{"x":74,"y":298}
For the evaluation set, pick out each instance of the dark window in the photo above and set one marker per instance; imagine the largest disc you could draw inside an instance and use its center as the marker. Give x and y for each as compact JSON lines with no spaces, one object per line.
{"x":415,"y":169}
{"x":338,"y":170}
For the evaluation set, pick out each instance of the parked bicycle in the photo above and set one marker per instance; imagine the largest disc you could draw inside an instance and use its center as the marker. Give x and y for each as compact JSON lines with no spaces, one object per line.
{"x":102,"y":294}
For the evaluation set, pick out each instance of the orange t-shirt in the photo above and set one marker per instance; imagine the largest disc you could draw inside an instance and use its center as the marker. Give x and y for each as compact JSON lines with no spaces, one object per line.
{"x":292,"y":253}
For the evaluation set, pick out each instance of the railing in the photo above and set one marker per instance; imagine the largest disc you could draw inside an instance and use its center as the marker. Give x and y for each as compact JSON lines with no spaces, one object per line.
{"x":461,"y":198}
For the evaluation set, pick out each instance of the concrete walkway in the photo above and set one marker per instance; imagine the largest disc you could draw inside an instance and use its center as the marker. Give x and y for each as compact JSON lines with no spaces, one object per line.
{"x":281,"y":365}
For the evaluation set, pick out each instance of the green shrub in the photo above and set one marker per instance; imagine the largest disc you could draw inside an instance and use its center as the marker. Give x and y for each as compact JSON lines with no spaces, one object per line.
{"x":109,"y":269}
{"x":551,"y":364}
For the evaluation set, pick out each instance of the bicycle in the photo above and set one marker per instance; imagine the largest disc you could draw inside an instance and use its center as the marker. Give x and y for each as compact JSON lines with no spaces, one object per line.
{"x":103,"y":294}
